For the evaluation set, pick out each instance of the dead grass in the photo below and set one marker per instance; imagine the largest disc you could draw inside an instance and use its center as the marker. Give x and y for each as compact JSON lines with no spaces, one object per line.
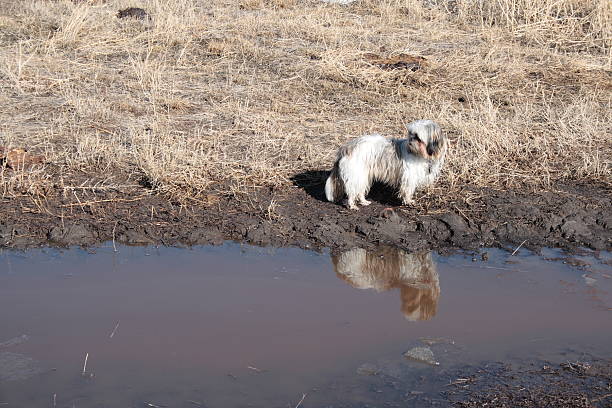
{"x":220,"y":96}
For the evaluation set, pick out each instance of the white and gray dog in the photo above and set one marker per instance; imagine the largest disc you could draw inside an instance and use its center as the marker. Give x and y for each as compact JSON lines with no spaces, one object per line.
{"x":405,"y":164}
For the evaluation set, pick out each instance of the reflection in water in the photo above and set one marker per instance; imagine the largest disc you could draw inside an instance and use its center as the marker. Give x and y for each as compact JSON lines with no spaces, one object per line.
{"x":389,"y":268}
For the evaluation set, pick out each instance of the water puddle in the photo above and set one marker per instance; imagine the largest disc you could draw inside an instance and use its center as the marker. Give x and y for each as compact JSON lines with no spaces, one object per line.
{"x":236,"y":326}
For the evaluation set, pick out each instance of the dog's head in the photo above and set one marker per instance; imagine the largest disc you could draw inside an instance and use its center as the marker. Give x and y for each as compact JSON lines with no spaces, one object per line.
{"x":425,"y":139}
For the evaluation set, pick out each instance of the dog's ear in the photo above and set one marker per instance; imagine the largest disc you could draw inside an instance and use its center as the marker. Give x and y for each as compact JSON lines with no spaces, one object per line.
{"x":433,"y":148}
{"x":435,"y":141}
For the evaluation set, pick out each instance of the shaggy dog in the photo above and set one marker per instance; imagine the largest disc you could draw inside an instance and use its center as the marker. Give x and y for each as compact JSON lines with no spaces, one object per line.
{"x":414,"y":274}
{"x":406,"y":164}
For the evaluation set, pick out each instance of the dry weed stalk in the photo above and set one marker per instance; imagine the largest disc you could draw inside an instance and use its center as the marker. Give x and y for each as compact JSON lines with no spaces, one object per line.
{"x":225,"y":96}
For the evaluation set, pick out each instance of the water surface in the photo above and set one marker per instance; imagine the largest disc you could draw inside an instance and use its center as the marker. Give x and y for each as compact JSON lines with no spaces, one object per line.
{"x":236,"y":326}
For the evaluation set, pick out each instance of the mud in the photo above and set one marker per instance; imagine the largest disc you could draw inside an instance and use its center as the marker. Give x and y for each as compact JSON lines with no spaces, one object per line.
{"x":571,"y":217}
{"x":573,"y":384}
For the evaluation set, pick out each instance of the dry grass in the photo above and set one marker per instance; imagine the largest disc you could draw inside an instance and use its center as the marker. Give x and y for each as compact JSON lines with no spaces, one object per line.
{"x":229,"y":95}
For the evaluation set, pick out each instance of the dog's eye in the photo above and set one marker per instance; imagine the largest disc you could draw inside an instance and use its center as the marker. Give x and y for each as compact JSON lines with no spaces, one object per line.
{"x":416,"y":137}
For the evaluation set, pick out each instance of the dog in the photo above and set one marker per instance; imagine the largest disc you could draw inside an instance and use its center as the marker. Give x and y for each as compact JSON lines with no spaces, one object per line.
{"x":406,"y":164}
{"x":388,"y":268}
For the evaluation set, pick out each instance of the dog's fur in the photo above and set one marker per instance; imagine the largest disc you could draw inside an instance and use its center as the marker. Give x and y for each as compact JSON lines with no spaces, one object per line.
{"x":406,"y":164}
{"x":414,"y":274}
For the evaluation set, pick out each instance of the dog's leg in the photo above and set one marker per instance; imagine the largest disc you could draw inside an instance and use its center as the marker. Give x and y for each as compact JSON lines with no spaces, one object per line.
{"x":406,"y":190}
{"x":363,"y":201}
{"x":406,"y":195}
{"x":350,"y":203}
{"x":355,"y":185}
{"x":352,"y":197}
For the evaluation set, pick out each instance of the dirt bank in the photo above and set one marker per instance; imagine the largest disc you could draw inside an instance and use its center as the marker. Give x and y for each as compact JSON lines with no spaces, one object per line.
{"x":573,"y":216}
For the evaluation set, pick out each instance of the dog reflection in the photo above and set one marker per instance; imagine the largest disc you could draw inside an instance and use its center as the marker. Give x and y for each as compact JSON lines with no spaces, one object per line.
{"x":414,"y":274}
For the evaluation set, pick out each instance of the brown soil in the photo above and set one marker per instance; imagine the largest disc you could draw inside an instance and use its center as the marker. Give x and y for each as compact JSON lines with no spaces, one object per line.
{"x":574,"y":216}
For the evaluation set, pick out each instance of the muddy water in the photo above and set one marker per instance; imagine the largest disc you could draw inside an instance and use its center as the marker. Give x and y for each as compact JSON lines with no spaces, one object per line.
{"x":235,"y":326}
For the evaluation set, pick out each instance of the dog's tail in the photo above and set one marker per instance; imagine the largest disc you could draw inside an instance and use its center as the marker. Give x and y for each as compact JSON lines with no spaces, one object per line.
{"x":334,"y":187}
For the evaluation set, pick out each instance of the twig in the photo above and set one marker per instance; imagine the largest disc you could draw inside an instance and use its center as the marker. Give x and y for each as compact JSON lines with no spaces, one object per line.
{"x":196,"y":403}
{"x":458,"y":381}
{"x":493,"y":267}
{"x":464,"y":216}
{"x":518,"y":247}
{"x":79,"y":204}
{"x":54,"y":400}
{"x":302,"y":400}
{"x":254,"y":369}
{"x":85,"y":364}
{"x":114,"y":246}
{"x":114,"y":330}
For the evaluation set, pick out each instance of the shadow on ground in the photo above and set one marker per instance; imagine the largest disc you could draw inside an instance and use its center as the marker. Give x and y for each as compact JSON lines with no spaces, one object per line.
{"x":313,"y":183}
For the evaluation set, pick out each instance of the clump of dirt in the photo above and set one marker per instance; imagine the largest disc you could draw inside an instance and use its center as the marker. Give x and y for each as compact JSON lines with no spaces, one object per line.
{"x":133,"y":12}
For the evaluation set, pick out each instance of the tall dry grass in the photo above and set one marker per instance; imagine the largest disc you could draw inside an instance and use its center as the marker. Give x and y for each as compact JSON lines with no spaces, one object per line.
{"x":212,"y":96}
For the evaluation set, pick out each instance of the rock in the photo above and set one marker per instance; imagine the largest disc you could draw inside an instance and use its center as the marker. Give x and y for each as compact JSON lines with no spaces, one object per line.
{"x":422,"y":355}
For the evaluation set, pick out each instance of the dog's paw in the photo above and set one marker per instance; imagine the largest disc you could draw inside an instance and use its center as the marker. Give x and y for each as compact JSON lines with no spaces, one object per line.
{"x":408,"y":202}
{"x":364,"y":202}
{"x":350,"y":205}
